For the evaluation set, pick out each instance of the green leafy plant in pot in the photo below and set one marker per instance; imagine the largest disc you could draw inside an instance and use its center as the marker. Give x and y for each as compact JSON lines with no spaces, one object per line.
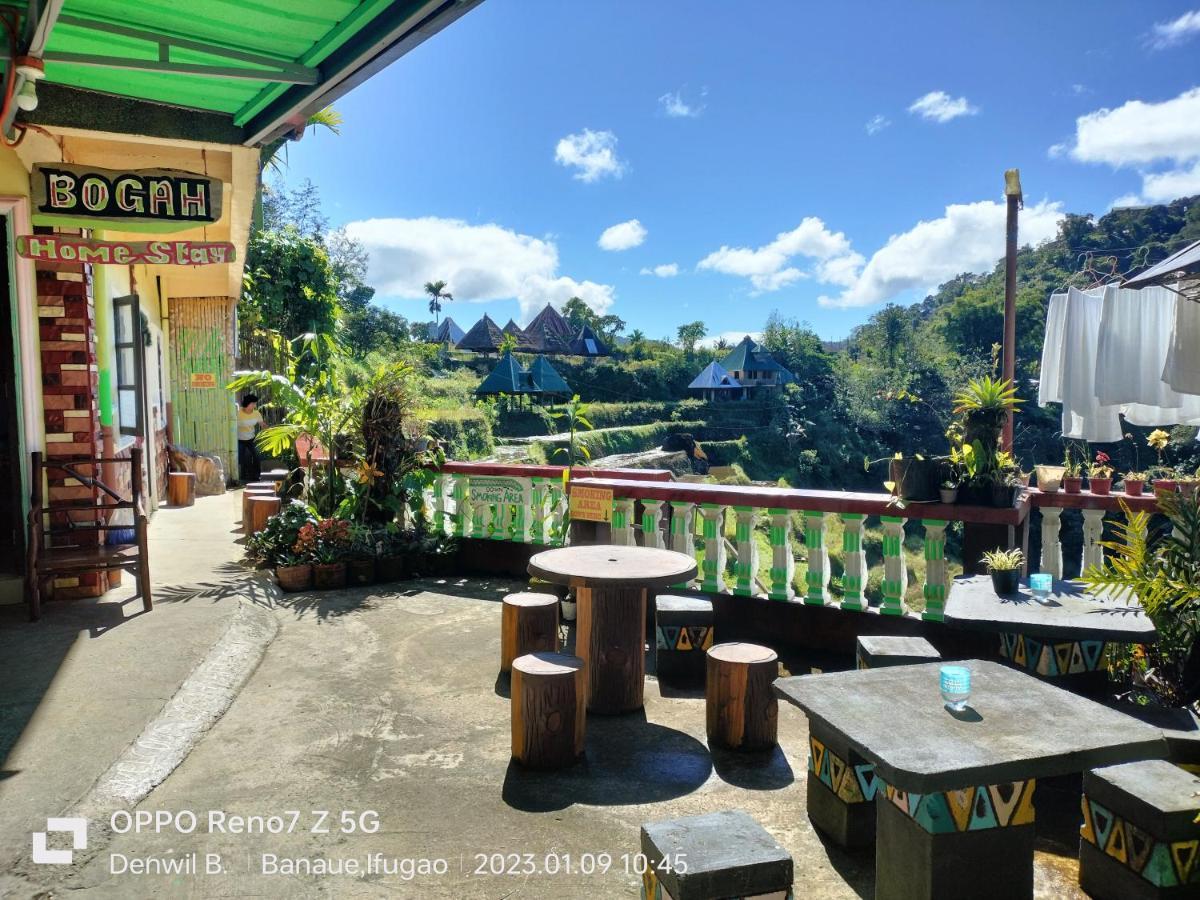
{"x":1072,"y":472}
{"x":1005,"y":569}
{"x":984,"y":405}
{"x":1100,"y":474}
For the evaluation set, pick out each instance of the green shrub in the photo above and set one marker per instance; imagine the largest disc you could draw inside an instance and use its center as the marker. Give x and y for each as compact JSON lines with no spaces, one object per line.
{"x":626,"y":439}
{"x":465,"y":432}
{"x":725,"y":453}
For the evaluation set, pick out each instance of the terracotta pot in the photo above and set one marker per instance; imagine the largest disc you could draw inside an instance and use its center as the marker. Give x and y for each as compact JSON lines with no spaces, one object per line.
{"x":1165,"y":485}
{"x":1007,"y":582}
{"x":1072,"y":484}
{"x":1049,"y":478}
{"x":1101,"y":487}
{"x":295,"y":578}
{"x":390,"y":568}
{"x":329,"y":576}
{"x":1134,"y":488}
{"x":361,"y":571}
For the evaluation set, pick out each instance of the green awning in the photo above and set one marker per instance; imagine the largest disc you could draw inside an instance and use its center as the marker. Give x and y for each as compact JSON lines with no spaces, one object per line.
{"x":261,"y":63}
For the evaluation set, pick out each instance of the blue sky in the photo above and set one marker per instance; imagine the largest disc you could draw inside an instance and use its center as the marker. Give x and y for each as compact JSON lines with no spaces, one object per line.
{"x":499,"y":152}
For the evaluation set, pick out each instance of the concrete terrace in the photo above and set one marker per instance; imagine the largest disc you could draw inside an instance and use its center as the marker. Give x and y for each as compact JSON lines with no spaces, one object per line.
{"x":385,"y":700}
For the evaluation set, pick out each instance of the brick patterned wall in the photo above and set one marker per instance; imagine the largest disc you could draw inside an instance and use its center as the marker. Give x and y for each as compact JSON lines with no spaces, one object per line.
{"x":66,"y":316}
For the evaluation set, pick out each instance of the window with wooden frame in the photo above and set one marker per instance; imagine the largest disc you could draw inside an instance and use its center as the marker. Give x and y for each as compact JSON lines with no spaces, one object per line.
{"x":127,"y":328}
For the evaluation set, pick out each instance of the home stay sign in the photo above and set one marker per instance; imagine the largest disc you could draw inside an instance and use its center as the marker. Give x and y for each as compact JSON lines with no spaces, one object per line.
{"x":134,"y":200}
{"x":61,"y":248}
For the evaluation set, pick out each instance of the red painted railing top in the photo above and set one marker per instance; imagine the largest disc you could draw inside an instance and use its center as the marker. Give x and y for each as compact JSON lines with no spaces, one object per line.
{"x":1087,"y":500}
{"x":516,"y":470}
{"x":811,"y":501}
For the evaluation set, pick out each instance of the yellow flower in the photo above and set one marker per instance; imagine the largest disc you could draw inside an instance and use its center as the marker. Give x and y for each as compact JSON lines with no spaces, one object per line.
{"x":1158,"y":439}
{"x":367,"y":472}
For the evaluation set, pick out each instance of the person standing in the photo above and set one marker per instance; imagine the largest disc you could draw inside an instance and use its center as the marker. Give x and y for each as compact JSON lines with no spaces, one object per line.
{"x":249,"y":422}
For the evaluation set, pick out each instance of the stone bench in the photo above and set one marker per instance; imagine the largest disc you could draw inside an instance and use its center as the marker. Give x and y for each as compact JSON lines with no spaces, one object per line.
{"x":1139,"y":837}
{"x":841,"y":789}
{"x":528,"y":624}
{"x":876,"y":651}
{"x":714,"y":856}
{"x":683,"y":631}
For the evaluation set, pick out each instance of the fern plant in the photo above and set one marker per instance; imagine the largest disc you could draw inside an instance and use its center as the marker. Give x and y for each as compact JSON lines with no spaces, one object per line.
{"x":1159,"y":568}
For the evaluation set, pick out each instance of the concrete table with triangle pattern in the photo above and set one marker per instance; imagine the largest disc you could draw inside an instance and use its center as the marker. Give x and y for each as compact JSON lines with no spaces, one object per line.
{"x":1065,"y":637}
{"x":955,"y":811}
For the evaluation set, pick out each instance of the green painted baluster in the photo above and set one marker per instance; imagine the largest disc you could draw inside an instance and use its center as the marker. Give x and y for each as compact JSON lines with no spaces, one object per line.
{"x":712,"y":524}
{"x":854,"y":576}
{"x":652,"y":535}
{"x":462,"y":506}
{"x":895,"y":569}
{"x":936,"y":581}
{"x":783,"y":564}
{"x":683,"y":538}
{"x":622,"y":522}
{"x":746,"y":568}
{"x":816,"y":578}
{"x":537,"y":494}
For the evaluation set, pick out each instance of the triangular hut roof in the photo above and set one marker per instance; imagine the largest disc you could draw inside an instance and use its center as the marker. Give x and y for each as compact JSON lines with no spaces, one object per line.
{"x":552,"y":322}
{"x":588,"y":344}
{"x":545,"y":340}
{"x":546,"y":379}
{"x":748,"y":356}
{"x":714,"y":377}
{"x":507,"y":378}
{"x":484,"y":337}
{"x":447,"y":332}
{"x":524,"y":342}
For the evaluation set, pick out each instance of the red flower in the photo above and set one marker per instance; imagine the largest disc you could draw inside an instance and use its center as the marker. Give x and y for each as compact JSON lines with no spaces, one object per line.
{"x":1101,"y":457}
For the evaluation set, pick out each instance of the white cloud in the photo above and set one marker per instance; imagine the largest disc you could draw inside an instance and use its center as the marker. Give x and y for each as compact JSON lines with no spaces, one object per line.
{"x":674,"y":106}
{"x":665,"y":270}
{"x":1163,"y":187}
{"x":478,"y":262}
{"x":1169,"y":34}
{"x":877,"y":123}
{"x":593,"y":155}
{"x":768,"y":267}
{"x":938,"y":106}
{"x":1138,"y":132}
{"x":968,"y":238}
{"x":1080,"y":89}
{"x":732,"y":338}
{"x":622,"y":236}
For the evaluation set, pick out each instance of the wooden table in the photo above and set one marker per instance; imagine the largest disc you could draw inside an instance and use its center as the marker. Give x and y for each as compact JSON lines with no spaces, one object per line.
{"x":955,"y":811}
{"x":610,"y":585}
{"x":1067,"y":636}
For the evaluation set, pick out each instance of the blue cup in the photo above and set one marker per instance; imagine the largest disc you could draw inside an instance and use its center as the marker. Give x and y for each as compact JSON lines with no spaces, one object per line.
{"x":1042,"y":585}
{"x":956,"y":687}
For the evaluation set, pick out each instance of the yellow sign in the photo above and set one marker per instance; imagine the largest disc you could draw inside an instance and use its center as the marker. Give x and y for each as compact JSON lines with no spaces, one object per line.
{"x":589,"y":504}
{"x":203,"y":380}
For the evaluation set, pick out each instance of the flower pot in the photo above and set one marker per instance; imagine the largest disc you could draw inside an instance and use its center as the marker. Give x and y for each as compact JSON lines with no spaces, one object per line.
{"x":915,"y":479}
{"x":1100,"y":486}
{"x":1188,"y":488}
{"x":568,"y":610}
{"x":1002,"y":495}
{"x":1165,"y":485}
{"x":390,"y":568}
{"x":1006,"y":582}
{"x":360,"y":571}
{"x":329,"y":576}
{"x":1134,"y":488}
{"x":949,"y":495}
{"x":295,"y":578}
{"x":1072,"y":484}
{"x":1049,"y":478}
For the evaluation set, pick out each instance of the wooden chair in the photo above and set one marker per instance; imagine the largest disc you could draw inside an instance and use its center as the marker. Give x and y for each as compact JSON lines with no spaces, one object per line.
{"x":59,"y":548}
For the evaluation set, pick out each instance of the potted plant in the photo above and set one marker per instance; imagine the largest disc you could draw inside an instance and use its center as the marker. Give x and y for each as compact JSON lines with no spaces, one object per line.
{"x":1005,"y":569}
{"x":293,"y":572}
{"x":1049,"y":478}
{"x":984,"y":404}
{"x":1134,"y":483}
{"x":1187,"y":484}
{"x":1100,"y":474}
{"x":913,"y":477}
{"x":949,"y":491}
{"x":275,"y":547}
{"x":391,"y":564}
{"x":360,"y":567}
{"x":326,"y":543}
{"x":1165,"y":483}
{"x":1072,"y":473}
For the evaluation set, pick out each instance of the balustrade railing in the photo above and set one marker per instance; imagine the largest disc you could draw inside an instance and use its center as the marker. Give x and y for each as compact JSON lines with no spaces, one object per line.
{"x":528,"y":504}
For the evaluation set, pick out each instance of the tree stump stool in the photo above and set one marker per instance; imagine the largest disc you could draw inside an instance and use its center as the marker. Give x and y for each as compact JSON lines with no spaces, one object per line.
{"x":549,"y":710}
{"x":876,"y":651}
{"x":181,"y":488}
{"x":743,"y":713}
{"x":1139,"y":836}
{"x":274,"y":475}
{"x":528,"y":624}
{"x":262,"y":507}
{"x":683,"y":632}
{"x":256,"y":489}
{"x":714,"y":856}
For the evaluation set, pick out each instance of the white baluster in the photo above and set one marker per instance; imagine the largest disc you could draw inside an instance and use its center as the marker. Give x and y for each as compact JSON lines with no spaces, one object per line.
{"x":537,"y":511}
{"x":652,"y":535}
{"x":895,"y":567}
{"x":817,"y":578}
{"x":746,"y":568}
{"x":783,"y":562}
{"x":937,"y":580}
{"x":854,"y":556}
{"x":1052,"y":557}
{"x":683,"y":538}
{"x":1093,"y":532}
{"x":713,"y":532}
{"x":622,"y":522}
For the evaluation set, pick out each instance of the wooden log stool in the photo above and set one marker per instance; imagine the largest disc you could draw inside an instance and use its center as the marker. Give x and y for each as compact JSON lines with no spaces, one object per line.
{"x":743,"y":713}
{"x":549,"y":710}
{"x":254,"y":489}
{"x":875,"y":651}
{"x":262,"y":507}
{"x":712,"y":857}
{"x":528,"y":624}
{"x":1139,"y":837}
{"x":683,"y":632}
{"x":181,"y":488}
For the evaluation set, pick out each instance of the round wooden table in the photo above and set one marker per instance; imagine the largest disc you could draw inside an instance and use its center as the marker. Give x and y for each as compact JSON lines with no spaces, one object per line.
{"x":610,"y":585}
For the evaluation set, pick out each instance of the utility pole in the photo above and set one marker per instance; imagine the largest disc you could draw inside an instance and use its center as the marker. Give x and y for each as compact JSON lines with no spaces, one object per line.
{"x":1012,"y":192}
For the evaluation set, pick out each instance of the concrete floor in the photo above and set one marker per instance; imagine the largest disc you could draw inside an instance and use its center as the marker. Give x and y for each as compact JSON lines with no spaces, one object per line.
{"x":385,"y":705}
